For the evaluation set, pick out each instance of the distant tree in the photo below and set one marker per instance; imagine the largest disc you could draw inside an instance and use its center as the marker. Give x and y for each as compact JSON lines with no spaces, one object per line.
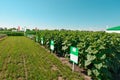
{"x":1,"y":29}
{"x":28,"y":30}
{"x":12,"y":29}
{"x":33,"y":29}
{"x":62,"y":29}
{"x":5,"y":29}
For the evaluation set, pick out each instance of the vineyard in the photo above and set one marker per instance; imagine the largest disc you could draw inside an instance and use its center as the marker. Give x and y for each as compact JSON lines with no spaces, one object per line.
{"x":99,"y":52}
{"x":23,"y":59}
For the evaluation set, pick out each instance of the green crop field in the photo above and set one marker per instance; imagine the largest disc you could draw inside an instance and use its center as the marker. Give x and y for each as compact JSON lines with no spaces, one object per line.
{"x":23,"y":59}
{"x":98,"y":52}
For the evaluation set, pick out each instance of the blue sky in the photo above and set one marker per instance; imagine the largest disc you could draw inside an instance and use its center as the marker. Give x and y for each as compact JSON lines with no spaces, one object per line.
{"x":57,"y":14}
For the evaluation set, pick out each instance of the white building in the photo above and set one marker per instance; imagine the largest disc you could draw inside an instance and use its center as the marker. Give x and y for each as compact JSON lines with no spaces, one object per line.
{"x":113,"y":29}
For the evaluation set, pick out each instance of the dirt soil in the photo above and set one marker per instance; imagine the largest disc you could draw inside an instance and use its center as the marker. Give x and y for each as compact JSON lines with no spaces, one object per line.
{"x":2,"y":38}
{"x":77,"y":68}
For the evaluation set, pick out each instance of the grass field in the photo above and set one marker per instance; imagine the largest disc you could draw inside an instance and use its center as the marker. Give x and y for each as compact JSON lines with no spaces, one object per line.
{"x":23,"y":59}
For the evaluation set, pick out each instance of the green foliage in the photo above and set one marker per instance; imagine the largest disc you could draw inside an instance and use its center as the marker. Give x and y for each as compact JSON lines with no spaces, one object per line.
{"x":10,"y":33}
{"x":30,"y":32}
{"x":22,"y":58}
{"x":99,"y":52}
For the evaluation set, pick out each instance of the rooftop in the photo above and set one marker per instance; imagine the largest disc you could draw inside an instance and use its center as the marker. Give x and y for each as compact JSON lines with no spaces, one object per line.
{"x":114,"y":28}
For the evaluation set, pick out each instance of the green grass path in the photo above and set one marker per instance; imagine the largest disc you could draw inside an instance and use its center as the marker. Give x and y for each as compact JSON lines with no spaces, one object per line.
{"x":23,"y":59}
